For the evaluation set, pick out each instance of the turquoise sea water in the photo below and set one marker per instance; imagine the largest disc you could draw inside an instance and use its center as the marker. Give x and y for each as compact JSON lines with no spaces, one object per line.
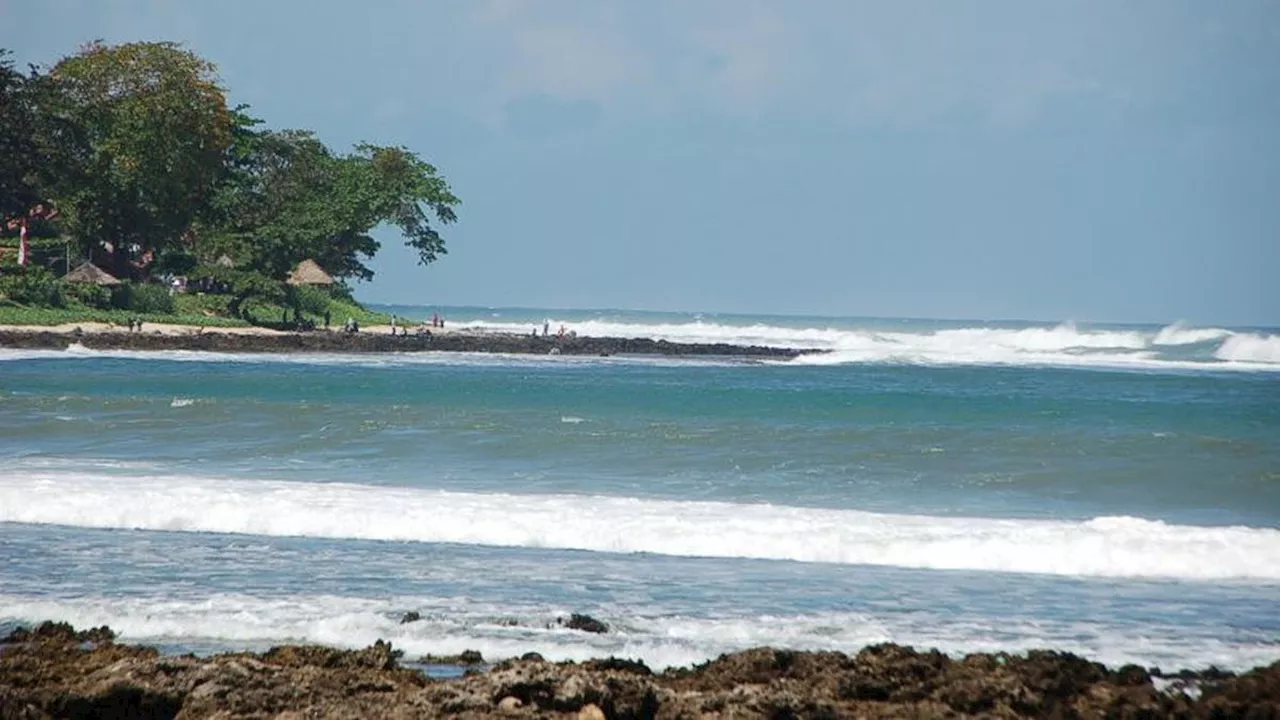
{"x":969,"y":486}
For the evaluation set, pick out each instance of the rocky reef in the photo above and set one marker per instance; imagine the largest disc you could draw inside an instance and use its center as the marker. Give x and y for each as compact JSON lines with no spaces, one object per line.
{"x":53,"y":671}
{"x":211,"y":340}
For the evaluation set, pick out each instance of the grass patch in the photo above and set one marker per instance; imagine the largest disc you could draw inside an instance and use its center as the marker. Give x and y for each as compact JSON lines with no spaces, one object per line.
{"x":11,"y":314}
{"x":192,"y":309}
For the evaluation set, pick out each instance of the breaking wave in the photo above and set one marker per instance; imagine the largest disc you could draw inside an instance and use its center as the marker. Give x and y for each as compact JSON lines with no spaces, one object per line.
{"x":226,"y":621}
{"x":1101,"y":547}
{"x":1174,"y":346}
{"x":1246,"y":347}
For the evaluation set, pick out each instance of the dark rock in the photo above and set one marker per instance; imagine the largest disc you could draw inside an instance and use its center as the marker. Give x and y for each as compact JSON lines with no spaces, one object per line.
{"x":54,"y":671}
{"x":1133,"y":675}
{"x":51,"y":632}
{"x":585,"y":623}
{"x":411,"y":616}
{"x":466,"y":657}
{"x":634,"y":667}
{"x":532,"y":657}
{"x":212,"y":340}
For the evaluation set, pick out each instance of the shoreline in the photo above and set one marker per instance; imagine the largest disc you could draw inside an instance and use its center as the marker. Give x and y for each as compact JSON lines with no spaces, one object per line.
{"x":376,"y":339}
{"x":54,"y":671}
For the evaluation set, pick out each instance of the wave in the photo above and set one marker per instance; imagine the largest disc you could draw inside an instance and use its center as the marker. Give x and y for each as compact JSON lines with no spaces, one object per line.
{"x":227,"y":621}
{"x":365,"y":360}
{"x":1101,"y":547}
{"x":1174,"y":347}
{"x":1179,"y":334}
{"x":1250,"y":348}
{"x":1065,"y":344}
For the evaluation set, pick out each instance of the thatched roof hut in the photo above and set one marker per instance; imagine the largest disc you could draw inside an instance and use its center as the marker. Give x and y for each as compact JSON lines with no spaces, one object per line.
{"x":224,"y":261}
{"x":90,"y":273}
{"x":309,"y":273}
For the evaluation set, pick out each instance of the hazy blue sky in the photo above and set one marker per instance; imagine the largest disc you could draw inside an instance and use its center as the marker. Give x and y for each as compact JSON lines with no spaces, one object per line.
{"x":1090,"y":160}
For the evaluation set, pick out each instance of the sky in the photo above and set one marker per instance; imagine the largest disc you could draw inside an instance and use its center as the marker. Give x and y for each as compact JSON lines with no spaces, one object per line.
{"x":1096,"y":161}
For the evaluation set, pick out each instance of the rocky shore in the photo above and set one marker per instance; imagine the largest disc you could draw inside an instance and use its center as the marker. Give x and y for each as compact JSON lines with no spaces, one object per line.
{"x":53,"y":671}
{"x":338,"y":342}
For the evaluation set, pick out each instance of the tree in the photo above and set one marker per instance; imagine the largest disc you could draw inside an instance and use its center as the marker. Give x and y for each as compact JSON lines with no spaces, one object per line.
{"x":156,"y":127}
{"x":19,"y":153}
{"x":287,"y":197}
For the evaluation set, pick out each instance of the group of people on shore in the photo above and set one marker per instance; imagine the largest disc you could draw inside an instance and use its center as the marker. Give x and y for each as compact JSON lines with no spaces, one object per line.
{"x":561,"y":334}
{"x":401,"y":329}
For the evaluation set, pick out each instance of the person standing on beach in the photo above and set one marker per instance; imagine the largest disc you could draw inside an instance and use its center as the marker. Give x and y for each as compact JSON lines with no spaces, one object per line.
{"x":24,"y":243}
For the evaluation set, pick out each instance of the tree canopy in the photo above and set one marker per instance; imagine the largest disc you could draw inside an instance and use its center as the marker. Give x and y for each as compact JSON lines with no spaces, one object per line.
{"x":150,"y":168}
{"x":19,"y":154}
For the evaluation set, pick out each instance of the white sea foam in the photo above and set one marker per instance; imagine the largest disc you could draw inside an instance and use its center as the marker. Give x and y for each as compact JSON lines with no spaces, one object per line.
{"x":366,"y":360}
{"x":1103,"y":547}
{"x":234,"y":621}
{"x":1250,"y":348}
{"x":1065,"y":345}
{"x":1179,"y":334}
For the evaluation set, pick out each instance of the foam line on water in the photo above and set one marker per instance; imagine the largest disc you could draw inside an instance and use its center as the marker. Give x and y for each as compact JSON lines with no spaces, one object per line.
{"x":1101,"y":547}
{"x":236,"y":621}
{"x":364,"y":360}
{"x":1174,"y":347}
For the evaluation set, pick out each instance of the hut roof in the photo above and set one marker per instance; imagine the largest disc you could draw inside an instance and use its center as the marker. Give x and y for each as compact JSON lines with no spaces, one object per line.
{"x":90,"y":273}
{"x":309,"y":273}
{"x":224,"y":261}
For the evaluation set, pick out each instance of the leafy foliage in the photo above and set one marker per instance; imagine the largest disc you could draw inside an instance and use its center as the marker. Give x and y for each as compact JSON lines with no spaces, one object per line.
{"x":151,"y":172}
{"x":32,"y":285}
{"x":19,"y":154}
{"x":309,"y":299}
{"x":88,"y":295}
{"x":289,"y":198}
{"x":143,"y":298}
{"x":155,"y":126}
{"x":16,"y":315}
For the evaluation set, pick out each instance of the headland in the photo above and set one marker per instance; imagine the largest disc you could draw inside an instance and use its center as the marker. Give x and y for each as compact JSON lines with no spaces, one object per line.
{"x":155,"y":336}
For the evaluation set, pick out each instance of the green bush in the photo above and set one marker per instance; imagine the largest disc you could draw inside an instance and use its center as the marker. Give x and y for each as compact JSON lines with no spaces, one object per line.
{"x":31,"y":285}
{"x":340,"y":291}
{"x":88,"y":295}
{"x":143,"y":298}
{"x":310,"y":299}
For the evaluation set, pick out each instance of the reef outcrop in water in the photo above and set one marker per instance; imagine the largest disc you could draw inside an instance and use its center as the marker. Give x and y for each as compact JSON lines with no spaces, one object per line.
{"x":56,"y":672}
{"x":335,"y":342}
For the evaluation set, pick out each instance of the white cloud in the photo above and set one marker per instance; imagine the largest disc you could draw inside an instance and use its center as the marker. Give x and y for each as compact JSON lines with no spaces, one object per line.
{"x":571,"y":51}
{"x":754,"y":53}
{"x":895,"y":63}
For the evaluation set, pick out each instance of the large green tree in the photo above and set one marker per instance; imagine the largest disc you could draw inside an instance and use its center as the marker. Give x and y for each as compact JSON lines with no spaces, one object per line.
{"x":156,"y":129}
{"x":19,"y":153}
{"x":35,"y":146}
{"x":287,"y":197}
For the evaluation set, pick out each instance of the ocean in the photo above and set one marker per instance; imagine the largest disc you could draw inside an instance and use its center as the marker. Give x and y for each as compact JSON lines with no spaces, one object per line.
{"x":1112,"y":491}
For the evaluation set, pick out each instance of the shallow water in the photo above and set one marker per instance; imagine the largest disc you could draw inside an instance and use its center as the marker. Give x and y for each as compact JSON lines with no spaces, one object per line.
{"x":1112,"y":491}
